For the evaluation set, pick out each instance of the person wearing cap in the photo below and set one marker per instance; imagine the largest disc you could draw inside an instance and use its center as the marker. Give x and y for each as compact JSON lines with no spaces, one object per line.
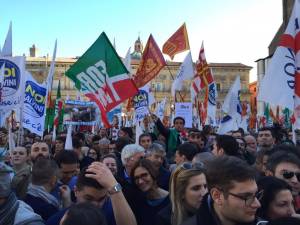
{"x":12,"y":210}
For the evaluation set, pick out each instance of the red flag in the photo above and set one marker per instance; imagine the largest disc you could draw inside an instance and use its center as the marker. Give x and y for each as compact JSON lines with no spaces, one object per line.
{"x":177,"y":43}
{"x":203,"y":78}
{"x":151,"y":63}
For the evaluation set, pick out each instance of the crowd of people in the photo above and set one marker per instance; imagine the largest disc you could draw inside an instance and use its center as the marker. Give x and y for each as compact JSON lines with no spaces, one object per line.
{"x":172,"y":176}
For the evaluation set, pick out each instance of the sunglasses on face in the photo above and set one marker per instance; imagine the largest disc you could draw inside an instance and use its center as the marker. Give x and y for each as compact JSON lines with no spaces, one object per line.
{"x":289,"y":175}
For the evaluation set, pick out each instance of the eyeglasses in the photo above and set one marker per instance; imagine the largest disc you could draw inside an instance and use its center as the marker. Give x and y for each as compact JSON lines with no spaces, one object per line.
{"x":142,"y":176}
{"x":290,"y":174}
{"x":249,"y":199}
{"x":191,"y":166}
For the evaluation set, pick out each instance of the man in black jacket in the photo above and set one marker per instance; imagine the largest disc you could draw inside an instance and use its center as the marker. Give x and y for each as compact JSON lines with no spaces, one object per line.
{"x":232,"y":197}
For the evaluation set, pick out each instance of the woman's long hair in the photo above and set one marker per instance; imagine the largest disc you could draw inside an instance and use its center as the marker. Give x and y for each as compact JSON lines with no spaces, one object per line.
{"x":178,"y":184}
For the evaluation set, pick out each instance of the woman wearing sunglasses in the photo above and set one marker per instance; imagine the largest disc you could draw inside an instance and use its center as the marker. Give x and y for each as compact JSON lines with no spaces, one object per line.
{"x":276,"y":200}
{"x":151,"y":198}
{"x":187,"y":187}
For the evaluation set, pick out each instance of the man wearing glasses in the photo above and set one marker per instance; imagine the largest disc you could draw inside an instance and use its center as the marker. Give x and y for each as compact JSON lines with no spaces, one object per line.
{"x":232,"y":197}
{"x":286,"y":166}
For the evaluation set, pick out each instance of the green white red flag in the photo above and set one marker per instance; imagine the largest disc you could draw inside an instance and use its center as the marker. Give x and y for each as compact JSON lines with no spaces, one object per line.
{"x":102,"y":77}
{"x":58,"y":106}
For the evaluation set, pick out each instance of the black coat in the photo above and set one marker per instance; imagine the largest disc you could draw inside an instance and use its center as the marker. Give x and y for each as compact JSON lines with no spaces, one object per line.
{"x":206,"y":215}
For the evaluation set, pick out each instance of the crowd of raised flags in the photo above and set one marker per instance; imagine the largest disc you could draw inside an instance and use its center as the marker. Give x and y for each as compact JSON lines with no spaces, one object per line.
{"x":102,"y":76}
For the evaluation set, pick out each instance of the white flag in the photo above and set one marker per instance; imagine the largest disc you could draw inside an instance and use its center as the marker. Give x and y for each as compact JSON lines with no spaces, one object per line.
{"x":227,"y":124}
{"x":11,"y":141}
{"x":212,"y":103}
{"x":69,"y":143}
{"x":7,"y":47}
{"x":185,"y":72}
{"x":147,"y":89}
{"x":232,"y":104}
{"x":278,"y":85}
{"x":127,"y":62}
{"x":49,"y":79}
{"x":2,"y":70}
{"x":34,"y":109}
{"x":160,"y":109}
{"x":13,"y":83}
{"x":232,"y":109}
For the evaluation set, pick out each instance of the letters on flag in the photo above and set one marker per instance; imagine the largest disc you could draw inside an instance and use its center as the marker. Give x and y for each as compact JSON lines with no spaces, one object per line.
{"x":151,"y":63}
{"x":13,"y":84}
{"x":34,"y":105}
{"x":100,"y":74}
{"x":177,"y":43}
{"x":281,"y":81}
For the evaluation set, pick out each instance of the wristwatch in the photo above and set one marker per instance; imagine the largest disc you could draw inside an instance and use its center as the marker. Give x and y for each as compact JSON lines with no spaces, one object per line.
{"x":115,"y":189}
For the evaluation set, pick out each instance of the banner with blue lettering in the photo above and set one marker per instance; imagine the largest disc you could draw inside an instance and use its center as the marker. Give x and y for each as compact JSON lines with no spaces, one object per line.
{"x":34,"y":105}
{"x":141,"y":105}
{"x":11,"y":87}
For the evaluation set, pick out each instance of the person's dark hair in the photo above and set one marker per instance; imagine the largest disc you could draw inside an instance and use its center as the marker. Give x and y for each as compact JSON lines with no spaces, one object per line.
{"x":266,"y":129}
{"x":3,"y":130}
{"x":80,"y":136}
{"x":223,"y":171}
{"x":121,"y":142}
{"x":95,"y":138}
{"x":66,"y":157}
{"x":61,"y":139}
{"x":179,"y":118}
{"x":113,"y":156}
{"x":148,"y":165}
{"x":76,"y":143}
{"x":145,"y":135}
{"x":43,"y":170}
{"x":286,"y":148}
{"x":207,"y":130}
{"x":203,"y":137}
{"x":229,"y":144}
{"x":84,"y":213}
{"x":241,"y":130}
{"x":285,"y":221}
{"x":279,"y":157}
{"x":128,"y":130}
{"x":83,"y":181}
{"x":270,"y":187}
{"x":188,"y":149}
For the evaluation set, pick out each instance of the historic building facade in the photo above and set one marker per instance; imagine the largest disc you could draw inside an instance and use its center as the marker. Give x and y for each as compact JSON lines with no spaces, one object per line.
{"x":224,"y":74}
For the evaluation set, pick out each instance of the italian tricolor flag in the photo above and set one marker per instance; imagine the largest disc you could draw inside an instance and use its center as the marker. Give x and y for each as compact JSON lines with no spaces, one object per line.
{"x":101,"y":76}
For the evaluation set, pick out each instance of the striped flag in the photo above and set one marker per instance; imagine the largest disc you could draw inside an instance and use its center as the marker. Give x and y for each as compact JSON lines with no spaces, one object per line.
{"x":58,"y":106}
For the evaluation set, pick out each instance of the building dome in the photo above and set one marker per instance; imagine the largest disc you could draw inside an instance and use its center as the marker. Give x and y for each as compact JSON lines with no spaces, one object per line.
{"x":138,"y":50}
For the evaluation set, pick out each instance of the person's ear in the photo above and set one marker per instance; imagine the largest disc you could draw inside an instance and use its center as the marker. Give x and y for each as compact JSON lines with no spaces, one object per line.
{"x":221,"y":152}
{"x":217,"y":196}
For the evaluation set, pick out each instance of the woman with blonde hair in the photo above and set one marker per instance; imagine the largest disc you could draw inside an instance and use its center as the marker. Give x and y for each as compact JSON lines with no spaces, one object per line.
{"x":187,"y":188}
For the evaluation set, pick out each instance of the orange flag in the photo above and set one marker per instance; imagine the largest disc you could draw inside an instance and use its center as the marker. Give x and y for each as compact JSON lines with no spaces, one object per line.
{"x":177,"y":43}
{"x":151,"y":63}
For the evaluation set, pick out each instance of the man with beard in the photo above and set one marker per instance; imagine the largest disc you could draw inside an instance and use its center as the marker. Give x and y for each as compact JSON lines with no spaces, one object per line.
{"x":39,"y":150}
